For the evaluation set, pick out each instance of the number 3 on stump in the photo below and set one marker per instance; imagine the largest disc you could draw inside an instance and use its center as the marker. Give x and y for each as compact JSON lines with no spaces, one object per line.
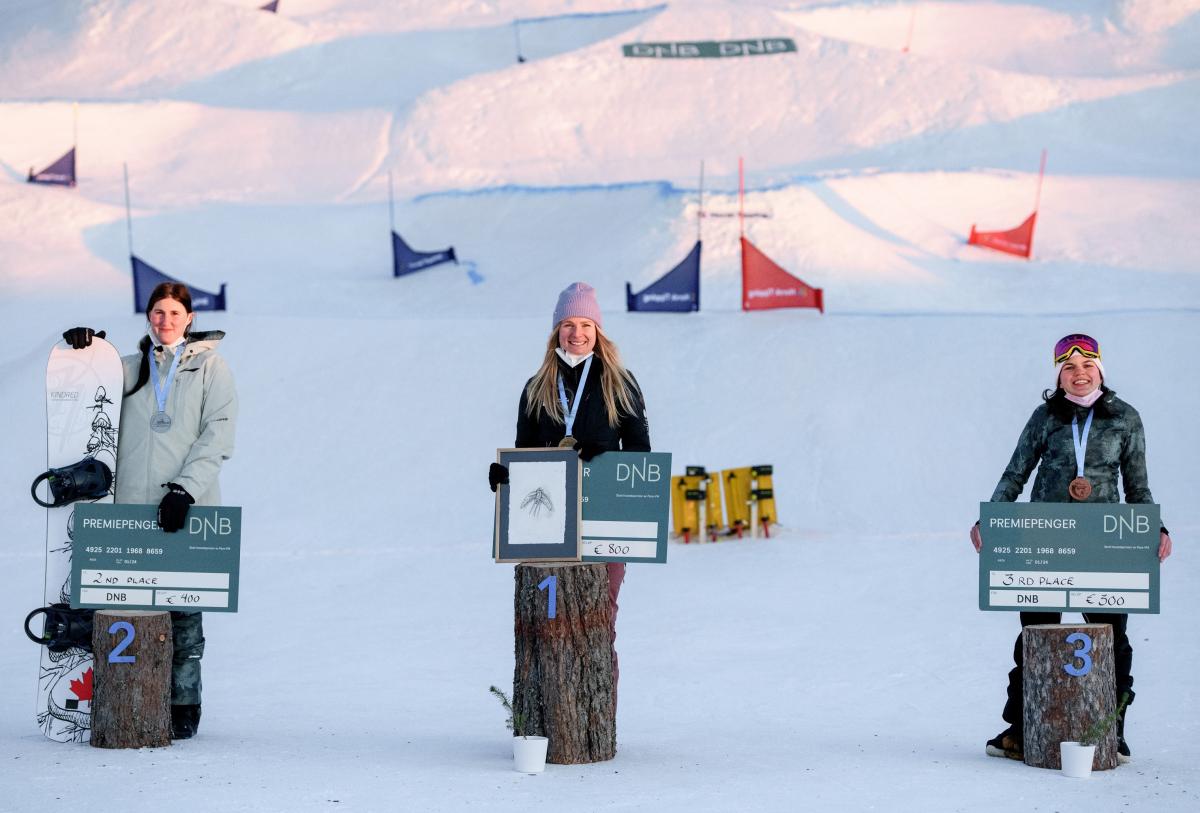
{"x":1081,"y":654}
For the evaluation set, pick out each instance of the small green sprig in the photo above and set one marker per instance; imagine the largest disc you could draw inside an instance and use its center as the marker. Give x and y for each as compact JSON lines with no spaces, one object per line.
{"x":515,"y":721}
{"x":1100,"y":727}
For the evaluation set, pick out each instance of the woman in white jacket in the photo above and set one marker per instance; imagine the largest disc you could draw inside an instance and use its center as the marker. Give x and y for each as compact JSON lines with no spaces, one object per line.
{"x":177,"y":427}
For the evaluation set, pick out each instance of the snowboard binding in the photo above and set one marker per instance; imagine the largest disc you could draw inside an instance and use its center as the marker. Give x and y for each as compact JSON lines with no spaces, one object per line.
{"x":65,"y":628}
{"x":89,"y":479}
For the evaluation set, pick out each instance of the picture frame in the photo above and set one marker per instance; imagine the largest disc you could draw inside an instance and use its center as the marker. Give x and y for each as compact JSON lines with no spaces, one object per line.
{"x":538,"y":517}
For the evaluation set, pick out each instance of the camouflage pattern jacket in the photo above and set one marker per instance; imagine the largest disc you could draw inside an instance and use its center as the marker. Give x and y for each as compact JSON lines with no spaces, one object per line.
{"x":1116,"y":444}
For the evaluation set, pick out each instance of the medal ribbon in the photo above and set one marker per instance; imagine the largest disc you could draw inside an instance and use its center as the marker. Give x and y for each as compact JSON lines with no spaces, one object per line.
{"x":160,"y":393}
{"x":1080,"y":445}
{"x":569,"y":414}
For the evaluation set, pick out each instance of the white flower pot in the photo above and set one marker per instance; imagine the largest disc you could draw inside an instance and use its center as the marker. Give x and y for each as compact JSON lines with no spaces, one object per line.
{"x":1077,"y":759}
{"x":529,"y":754}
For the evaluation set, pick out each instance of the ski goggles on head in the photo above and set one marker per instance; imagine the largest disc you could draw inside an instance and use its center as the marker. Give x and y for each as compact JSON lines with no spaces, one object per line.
{"x":1067,"y":345}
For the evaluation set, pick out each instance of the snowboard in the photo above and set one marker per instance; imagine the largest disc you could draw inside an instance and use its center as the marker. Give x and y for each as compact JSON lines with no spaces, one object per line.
{"x":83,"y":410}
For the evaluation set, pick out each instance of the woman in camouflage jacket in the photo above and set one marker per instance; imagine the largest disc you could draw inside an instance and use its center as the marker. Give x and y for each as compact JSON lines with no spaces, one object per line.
{"x":1115,"y":444}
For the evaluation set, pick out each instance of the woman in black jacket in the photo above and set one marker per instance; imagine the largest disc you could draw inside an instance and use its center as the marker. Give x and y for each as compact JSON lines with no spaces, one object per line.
{"x":582,"y":397}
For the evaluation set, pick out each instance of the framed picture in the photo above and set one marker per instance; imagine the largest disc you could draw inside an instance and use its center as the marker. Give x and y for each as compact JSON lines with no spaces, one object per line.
{"x":537,"y":512}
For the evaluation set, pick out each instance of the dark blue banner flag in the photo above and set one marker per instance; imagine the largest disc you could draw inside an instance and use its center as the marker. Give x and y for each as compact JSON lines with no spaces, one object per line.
{"x":61,"y":172}
{"x":146,"y":277}
{"x":678,"y":290}
{"x":407,"y":261}
{"x":272,"y":7}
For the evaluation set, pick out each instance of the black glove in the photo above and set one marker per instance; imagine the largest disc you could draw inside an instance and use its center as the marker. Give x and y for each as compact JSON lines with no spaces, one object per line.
{"x":497,"y":475}
{"x":81,"y":337}
{"x":587,"y":450}
{"x":173,"y":508}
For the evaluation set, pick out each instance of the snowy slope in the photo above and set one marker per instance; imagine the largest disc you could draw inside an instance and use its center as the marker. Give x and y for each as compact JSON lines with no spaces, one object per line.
{"x":816,"y":108}
{"x":1068,"y":38}
{"x":125,"y":48}
{"x":767,"y":675}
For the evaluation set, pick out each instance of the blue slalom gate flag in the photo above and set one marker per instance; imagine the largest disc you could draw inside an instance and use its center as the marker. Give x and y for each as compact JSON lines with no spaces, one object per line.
{"x":407,"y":261}
{"x":272,"y":7}
{"x":146,"y":277}
{"x":678,"y":290}
{"x":61,"y":172}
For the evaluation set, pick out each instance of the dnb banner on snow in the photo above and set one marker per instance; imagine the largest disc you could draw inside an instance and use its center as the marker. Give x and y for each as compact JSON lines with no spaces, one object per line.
{"x":1060,"y":557}
{"x":146,"y":277}
{"x":710,"y":49}
{"x":121,"y":558}
{"x":677,"y":291}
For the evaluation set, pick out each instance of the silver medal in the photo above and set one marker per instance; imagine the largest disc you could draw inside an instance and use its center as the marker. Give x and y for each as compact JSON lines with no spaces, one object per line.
{"x":160,"y":422}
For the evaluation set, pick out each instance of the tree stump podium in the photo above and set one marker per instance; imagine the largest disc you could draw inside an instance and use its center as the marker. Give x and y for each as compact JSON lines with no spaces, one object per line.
{"x":563,"y":681}
{"x":131,"y":702}
{"x":1069,"y":686}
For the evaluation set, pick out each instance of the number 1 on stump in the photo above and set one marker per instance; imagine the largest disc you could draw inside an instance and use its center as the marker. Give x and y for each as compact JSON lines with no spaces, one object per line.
{"x":552,"y":582}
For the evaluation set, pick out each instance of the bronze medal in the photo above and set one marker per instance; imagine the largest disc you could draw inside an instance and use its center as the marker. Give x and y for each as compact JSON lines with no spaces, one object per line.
{"x":1080,"y":489}
{"x":567,"y":442}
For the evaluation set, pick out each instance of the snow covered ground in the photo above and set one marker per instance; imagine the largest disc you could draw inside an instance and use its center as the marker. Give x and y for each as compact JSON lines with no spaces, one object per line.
{"x":841,"y":665}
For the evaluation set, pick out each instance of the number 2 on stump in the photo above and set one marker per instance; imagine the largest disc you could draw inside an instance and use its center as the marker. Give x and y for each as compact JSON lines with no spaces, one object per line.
{"x":115,"y":656}
{"x":1085,"y":642}
{"x":552,"y":581}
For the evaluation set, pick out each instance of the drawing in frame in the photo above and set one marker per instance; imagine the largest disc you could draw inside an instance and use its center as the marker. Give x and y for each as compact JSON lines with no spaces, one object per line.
{"x":537,"y":511}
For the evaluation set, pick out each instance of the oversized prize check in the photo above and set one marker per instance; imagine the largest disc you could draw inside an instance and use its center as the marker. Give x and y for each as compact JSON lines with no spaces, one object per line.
{"x":626,"y":507}
{"x":1060,"y":557}
{"x":120,"y":558}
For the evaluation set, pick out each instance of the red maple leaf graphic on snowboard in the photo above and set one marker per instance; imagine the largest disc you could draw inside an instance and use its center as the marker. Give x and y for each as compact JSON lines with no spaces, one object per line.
{"x":83,"y":688}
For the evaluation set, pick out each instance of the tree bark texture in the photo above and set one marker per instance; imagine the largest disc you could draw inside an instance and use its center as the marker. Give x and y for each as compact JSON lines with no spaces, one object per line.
{"x":131,"y":705}
{"x":563,"y":681}
{"x":1060,"y":706}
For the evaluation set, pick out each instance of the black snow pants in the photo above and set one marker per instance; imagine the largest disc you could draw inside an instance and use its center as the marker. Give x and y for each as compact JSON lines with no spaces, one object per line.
{"x":1014,"y":709}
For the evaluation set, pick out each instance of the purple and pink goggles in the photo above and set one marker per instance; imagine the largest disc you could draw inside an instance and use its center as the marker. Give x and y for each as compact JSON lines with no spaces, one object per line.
{"x":1067,"y":345}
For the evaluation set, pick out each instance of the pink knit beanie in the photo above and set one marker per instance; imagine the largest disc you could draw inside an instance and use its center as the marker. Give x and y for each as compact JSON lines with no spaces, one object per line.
{"x":577,"y":299}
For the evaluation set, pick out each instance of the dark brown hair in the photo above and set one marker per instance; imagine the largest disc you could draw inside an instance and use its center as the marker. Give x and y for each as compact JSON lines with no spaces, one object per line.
{"x":164,"y":290}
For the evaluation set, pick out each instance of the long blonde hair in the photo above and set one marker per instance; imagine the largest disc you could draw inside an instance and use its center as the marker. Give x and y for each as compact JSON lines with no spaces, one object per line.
{"x":616,"y":383}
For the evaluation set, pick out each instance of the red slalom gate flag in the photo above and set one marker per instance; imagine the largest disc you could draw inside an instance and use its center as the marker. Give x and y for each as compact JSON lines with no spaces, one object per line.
{"x":766,"y":285}
{"x":1017,"y":241}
